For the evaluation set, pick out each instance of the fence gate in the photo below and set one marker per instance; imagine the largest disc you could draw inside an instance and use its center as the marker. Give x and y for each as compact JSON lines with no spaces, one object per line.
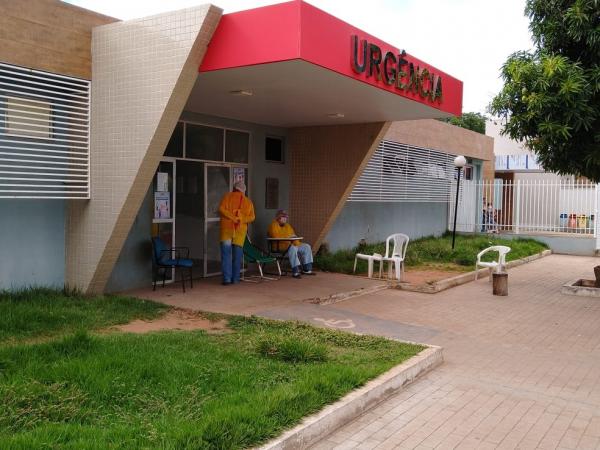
{"x":526,"y":207}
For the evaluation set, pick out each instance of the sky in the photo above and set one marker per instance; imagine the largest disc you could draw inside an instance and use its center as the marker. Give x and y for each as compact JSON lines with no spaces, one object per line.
{"x":468,"y":39}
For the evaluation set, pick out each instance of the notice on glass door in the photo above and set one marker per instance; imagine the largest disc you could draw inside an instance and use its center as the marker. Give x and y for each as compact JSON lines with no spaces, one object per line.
{"x":162,"y":205}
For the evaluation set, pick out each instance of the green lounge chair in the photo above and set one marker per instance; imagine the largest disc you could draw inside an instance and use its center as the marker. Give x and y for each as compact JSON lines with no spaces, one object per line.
{"x":254,"y":255}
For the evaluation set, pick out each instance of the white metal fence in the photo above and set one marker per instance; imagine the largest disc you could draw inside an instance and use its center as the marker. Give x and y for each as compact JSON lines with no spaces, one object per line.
{"x":526,"y":207}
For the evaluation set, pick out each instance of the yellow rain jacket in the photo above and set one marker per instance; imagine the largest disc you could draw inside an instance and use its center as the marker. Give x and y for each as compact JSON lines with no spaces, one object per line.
{"x":282,"y":231}
{"x":237,"y":211}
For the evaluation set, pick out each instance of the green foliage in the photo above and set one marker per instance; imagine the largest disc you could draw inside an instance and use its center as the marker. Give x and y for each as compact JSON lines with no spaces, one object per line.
{"x":433,"y":250}
{"x":551,"y":96}
{"x":174,"y":390}
{"x":292,"y":350}
{"x":470,"y":120}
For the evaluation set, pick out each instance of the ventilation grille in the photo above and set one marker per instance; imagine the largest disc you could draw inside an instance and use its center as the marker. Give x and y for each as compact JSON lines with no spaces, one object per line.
{"x":44,"y":134}
{"x":404,"y":173}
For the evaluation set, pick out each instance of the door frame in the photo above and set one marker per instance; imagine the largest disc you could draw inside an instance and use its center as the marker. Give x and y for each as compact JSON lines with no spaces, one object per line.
{"x":208,"y":220}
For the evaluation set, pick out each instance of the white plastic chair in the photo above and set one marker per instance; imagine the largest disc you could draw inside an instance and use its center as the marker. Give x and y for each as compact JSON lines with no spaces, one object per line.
{"x":498,"y":265}
{"x":394,"y":255}
{"x":370,"y":262}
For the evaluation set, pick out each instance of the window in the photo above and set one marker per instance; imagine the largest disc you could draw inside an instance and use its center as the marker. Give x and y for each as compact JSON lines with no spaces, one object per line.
{"x":44,"y":134}
{"x":203,"y":142}
{"x":274,"y":149}
{"x":25,"y":117}
{"x":468,"y":172}
{"x":209,"y":143}
{"x":236,"y":146}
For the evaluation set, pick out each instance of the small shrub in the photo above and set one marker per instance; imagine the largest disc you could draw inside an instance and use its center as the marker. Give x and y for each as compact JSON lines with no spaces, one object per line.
{"x":295,"y":351}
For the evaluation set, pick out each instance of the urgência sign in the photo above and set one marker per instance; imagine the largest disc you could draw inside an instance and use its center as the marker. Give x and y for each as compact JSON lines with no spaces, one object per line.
{"x":394,"y":70}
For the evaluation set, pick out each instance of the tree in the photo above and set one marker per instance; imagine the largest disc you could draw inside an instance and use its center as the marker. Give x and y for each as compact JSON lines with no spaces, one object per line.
{"x":551,"y":96}
{"x":471,"y":121}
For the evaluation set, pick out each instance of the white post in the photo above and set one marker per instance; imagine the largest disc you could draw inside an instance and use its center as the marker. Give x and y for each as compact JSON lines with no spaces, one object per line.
{"x":517,"y":205}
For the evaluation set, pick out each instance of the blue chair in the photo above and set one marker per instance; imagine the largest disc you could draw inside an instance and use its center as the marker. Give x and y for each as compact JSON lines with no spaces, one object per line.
{"x":164,"y":258}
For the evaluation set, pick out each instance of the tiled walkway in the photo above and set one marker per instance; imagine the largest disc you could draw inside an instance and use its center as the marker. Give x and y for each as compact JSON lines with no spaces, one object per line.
{"x":521,"y":371}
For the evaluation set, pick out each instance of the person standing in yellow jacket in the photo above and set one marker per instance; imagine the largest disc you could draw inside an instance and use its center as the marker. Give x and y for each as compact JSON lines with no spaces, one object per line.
{"x":236,"y":211}
{"x":299,"y":253}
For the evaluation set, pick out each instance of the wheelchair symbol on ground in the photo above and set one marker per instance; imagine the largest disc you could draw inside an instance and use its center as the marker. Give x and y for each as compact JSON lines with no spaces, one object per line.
{"x":336,"y":323}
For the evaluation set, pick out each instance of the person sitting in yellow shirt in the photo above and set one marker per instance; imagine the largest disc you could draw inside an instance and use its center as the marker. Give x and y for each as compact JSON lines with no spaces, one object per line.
{"x":236,"y":211}
{"x":299,"y":254}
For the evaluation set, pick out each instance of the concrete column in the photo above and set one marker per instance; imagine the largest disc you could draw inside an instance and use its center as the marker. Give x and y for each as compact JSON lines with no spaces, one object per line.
{"x":143,"y":71}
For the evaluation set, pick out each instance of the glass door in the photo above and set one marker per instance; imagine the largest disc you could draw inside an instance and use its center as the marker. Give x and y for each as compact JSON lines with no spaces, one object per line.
{"x":163,"y":206}
{"x":217,"y":182}
{"x":189,"y":218}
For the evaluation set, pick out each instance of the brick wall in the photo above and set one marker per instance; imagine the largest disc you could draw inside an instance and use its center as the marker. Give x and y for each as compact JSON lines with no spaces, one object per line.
{"x":325,"y":164}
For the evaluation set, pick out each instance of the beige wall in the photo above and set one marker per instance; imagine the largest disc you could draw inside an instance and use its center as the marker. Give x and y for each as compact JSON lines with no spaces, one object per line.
{"x":448,"y":138}
{"x":143,"y":73}
{"x":48,"y":35}
{"x":325,"y":164}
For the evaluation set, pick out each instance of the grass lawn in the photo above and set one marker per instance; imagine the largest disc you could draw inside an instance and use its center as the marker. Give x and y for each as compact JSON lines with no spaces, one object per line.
{"x":42,"y":313}
{"x":434,"y":253}
{"x":63,"y":384}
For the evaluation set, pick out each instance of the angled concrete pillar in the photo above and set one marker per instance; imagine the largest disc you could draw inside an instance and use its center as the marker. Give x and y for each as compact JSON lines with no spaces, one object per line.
{"x":142,"y":74}
{"x":326,"y":163}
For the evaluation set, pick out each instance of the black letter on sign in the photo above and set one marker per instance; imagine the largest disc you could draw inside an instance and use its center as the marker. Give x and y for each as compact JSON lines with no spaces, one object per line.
{"x":389,"y":73}
{"x":423,"y":82}
{"x":438,"y":90}
{"x":359,"y":68}
{"x":374,"y":60}
{"x":413,"y":78}
{"x":401,"y":73}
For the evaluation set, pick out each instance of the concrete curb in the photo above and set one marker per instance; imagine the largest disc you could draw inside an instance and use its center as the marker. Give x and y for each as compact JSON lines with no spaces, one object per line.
{"x":341,"y":296}
{"x":321,"y":424}
{"x":448,"y":283}
{"x":571,"y":288}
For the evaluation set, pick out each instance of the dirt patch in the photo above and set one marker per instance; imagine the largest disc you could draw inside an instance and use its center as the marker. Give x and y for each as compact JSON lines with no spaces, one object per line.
{"x":427,"y":276}
{"x":424,"y":275}
{"x":175,"y":319}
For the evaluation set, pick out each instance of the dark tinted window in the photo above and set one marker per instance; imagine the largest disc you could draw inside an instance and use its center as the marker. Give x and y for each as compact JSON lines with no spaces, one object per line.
{"x":274,"y":149}
{"x":236,"y":146}
{"x":204,"y":142}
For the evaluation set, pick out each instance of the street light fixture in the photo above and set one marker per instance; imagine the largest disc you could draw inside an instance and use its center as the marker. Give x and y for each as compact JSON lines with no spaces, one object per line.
{"x":459,"y":162}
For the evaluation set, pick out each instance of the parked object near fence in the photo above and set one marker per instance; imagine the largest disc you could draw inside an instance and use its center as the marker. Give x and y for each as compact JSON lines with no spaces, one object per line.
{"x":527,"y":207}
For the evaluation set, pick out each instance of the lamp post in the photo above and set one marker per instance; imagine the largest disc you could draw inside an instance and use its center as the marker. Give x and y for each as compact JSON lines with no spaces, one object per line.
{"x":459,"y":163}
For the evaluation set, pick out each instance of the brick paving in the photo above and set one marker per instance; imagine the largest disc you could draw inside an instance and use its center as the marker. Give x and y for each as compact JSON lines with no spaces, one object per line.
{"x":521,"y":371}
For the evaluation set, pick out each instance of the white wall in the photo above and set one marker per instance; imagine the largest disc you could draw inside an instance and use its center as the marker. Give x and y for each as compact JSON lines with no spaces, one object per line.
{"x":503,"y":145}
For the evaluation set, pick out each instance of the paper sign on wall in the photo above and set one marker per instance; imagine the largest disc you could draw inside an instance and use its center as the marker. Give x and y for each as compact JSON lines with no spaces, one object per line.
{"x":162,"y":205}
{"x":162,"y":181}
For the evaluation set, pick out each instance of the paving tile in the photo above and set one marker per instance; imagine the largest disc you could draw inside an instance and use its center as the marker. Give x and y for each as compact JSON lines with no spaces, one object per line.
{"x":521,"y":371}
